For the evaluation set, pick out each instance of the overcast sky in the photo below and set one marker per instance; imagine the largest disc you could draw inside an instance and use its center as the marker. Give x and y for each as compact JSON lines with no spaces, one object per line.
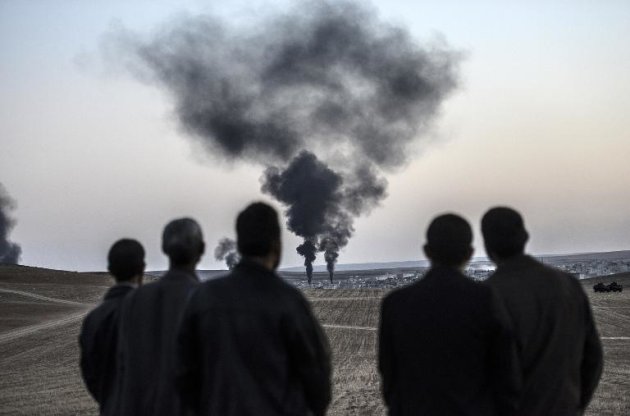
{"x":540,"y":122}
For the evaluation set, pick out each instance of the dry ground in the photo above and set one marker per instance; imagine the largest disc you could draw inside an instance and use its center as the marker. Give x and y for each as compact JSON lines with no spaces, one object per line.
{"x":40,"y":373}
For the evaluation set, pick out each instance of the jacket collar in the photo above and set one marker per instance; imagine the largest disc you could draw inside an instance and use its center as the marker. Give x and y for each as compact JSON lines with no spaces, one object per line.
{"x":118,"y":290}
{"x":180,"y":275}
{"x":518,"y":262}
{"x":438,"y":272}
{"x":248,"y":266}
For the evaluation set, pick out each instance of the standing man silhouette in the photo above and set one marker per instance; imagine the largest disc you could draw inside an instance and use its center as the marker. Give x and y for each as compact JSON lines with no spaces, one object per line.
{"x":558,"y":343}
{"x":445,"y":346}
{"x":249,"y":343}
{"x":99,"y":333}
{"x":148,"y":326}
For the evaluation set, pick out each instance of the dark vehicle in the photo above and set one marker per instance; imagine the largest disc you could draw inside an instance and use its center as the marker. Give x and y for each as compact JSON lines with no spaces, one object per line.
{"x":615,"y":287}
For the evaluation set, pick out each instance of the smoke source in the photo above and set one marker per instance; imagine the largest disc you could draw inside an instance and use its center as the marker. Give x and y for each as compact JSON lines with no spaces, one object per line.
{"x":321,"y":203}
{"x":327,"y":96}
{"x":9,"y":252}
{"x":226,"y":250}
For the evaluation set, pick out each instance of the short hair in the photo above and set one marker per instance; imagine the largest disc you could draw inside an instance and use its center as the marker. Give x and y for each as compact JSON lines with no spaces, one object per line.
{"x":449,"y":239}
{"x":125,"y":259}
{"x":504,"y":232}
{"x":182,"y":241}
{"x":257,"y":229}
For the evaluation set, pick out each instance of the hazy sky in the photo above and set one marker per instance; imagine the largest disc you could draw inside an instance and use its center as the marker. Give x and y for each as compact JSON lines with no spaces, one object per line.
{"x":540,"y":122}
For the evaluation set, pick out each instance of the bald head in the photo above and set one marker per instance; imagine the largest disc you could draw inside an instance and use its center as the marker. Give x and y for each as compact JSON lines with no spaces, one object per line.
{"x":182,"y":242}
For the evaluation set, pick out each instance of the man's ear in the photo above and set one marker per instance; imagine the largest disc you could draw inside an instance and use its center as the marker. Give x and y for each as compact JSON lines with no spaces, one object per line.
{"x":427,"y":251}
{"x":277,"y":248}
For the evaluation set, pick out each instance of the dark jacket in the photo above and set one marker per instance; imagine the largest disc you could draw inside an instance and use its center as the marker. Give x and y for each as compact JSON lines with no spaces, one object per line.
{"x":148,"y":325}
{"x":558,"y":343}
{"x":445,"y":348}
{"x":98,"y":340}
{"x":249,"y":345}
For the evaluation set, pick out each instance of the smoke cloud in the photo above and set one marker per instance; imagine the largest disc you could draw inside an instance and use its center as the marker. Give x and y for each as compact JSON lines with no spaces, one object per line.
{"x":226,"y":250}
{"x":9,"y":252}
{"x":322,"y":203}
{"x":326,"y":96}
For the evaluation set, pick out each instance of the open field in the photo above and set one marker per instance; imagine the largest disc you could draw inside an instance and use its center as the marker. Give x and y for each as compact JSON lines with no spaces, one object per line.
{"x":41,"y":310}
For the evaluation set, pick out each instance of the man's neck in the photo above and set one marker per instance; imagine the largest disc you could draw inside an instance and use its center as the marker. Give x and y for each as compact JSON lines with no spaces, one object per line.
{"x":267,"y":262}
{"x":504,"y":260}
{"x":184,"y":268}
{"x":127,"y":283}
{"x":459,"y":269}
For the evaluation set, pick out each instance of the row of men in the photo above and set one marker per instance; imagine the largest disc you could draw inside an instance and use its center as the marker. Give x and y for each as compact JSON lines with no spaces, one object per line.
{"x":524,"y":342}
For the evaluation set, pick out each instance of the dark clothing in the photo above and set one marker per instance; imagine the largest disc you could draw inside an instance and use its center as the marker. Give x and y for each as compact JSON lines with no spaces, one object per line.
{"x":249,"y":345}
{"x":98,"y":340}
{"x":148,"y":325}
{"x":558,"y":343}
{"x":445,"y":348}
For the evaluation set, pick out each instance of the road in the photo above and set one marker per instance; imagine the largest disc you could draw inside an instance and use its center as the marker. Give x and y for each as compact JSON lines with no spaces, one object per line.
{"x":21,"y":332}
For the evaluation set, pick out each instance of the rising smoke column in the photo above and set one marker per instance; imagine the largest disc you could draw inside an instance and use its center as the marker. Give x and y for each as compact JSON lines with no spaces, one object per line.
{"x":308,"y":250}
{"x":330,"y":247}
{"x":9,"y":252}
{"x":226,"y":250}
{"x":312,"y":193}
{"x":322,"y":204}
{"x":325,"y":79}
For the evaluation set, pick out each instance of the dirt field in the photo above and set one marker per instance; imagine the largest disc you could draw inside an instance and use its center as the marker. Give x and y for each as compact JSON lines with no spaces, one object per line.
{"x":40,"y":315}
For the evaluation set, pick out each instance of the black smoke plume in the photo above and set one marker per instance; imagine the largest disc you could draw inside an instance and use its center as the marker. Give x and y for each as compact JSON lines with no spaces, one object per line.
{"x":226,"y":250}
{"x":322,"y":203}
{"x":307,"y":250}
{"x":326,"y":78}
{"x":330,"y":247}
{"x":9,"y":252}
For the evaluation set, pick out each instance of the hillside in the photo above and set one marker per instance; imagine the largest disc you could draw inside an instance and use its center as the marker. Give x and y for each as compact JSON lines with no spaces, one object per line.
{"x":41,"y":312}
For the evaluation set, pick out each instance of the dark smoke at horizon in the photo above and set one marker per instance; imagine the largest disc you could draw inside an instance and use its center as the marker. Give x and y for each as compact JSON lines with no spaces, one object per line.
{"x":307,"y":250}
{"x":326,"y":96}
{"x":9,"y":252}
{"x":226,"y":250}
{"x":330,"y":247}
{"x":322,"y":204}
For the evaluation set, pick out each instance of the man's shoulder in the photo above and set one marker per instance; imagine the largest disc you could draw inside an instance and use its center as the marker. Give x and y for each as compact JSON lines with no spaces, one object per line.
{"x":399,"y":295}
{"x":235,"y":281}
{"x":101,"y":314}
{"x":229,"y":293}
{"x":103,"y":309}
{"x":454,"y":282}
{"x":536,"y":279}
{"x":218,"y":284}
{"x":143,"y":296}
{"x":526,"y":267}
{"x":145,"y":290}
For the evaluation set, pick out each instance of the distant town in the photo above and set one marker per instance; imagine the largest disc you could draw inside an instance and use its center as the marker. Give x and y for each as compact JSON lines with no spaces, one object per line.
{"x":581,"y":266}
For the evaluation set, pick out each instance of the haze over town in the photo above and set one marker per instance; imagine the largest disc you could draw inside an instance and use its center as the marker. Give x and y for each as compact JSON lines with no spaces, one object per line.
{"x":538,"y":121}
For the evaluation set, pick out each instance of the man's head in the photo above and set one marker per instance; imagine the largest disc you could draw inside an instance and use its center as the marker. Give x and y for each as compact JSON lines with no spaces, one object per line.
{"x":449,"y":241}
{"x":258,"y":234}
{"x":182,"y":242}
{"x":125,"y":261}
{"x":504,"y":233}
